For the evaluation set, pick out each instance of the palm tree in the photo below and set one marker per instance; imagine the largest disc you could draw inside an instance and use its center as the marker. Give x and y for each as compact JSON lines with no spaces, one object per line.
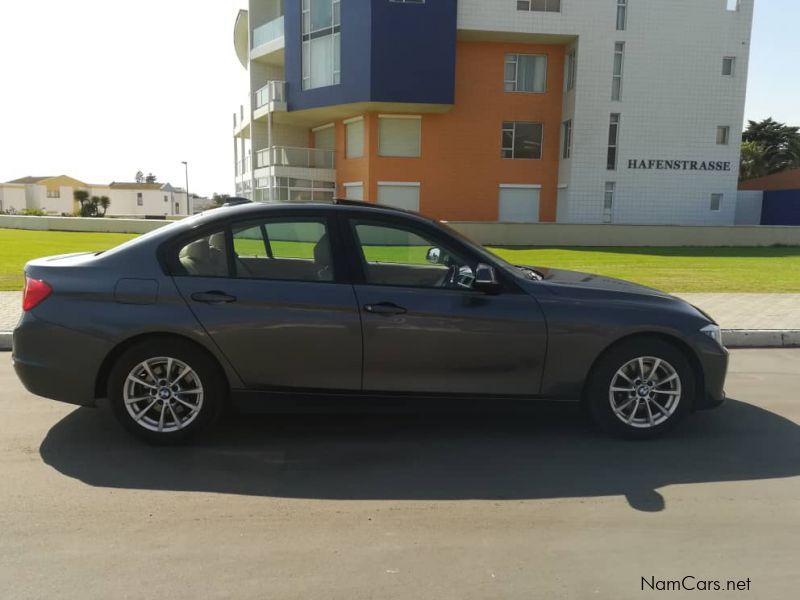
{"x":754,"y":161}
{"x":105,"y":202}
{"x":779,"y":145}
{"x":82,"y":198}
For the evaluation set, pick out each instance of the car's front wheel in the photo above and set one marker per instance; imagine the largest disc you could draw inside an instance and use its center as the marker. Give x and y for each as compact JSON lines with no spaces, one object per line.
{"x":165,"y":390}
{"x":641,"y":388}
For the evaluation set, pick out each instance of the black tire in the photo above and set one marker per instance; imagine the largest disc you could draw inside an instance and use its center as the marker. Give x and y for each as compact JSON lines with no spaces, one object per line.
{"x":205,"y":371}
{"x":599,"y":395}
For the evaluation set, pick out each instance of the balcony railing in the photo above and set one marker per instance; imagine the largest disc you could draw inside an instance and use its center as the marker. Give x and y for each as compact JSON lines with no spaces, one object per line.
{"x":285,"y":156}
{"x":274,"y":91}
{"x":268,"y":32}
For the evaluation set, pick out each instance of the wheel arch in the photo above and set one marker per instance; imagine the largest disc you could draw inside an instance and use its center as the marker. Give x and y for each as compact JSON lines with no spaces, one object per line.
{"x":678,"y":343}
{"x":101,"y":380}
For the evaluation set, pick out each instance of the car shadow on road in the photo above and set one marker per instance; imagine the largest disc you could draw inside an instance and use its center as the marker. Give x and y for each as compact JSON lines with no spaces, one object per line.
{"x":548,"y":453}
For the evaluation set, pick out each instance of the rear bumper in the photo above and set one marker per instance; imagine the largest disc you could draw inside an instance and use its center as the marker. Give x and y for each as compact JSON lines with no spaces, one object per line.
{"x":56,"y":362}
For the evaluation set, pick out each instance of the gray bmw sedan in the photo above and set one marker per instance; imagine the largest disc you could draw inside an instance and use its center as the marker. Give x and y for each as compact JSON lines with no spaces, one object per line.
{"x":263,"y":305}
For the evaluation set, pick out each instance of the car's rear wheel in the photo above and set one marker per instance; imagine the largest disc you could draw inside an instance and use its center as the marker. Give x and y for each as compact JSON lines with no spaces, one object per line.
{"x":640,"y":389}
{"x":166,"y":390}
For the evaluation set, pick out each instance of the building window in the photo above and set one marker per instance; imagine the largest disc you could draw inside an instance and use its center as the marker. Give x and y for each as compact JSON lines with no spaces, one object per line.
{"x":522,"y":140}
{"x":613,"y":142}
{"x":166,"y":198}
{"x":608,"y":201}
{"x":723,"y":135}
{"x":616,"y":86}
{"x":732,"y":5}
{"x":54,"y":194}
{"x":325,"y":137}
{"x":403,"y":195}
{"x":567,"y":141}
{"x":525,"y":73}
{"x":354,"y":191}
{"x":321,"y":43}
{"x":139,"y":199}
{"x":354,"y":137}
{"x":729,"y":66}
{"x":539,"y":5}
{"x":622,"y":14}
{"x":571,"y":67}
{"x":400,"y":136}
{"x":716,"y":202}
{"x":518,"y":203}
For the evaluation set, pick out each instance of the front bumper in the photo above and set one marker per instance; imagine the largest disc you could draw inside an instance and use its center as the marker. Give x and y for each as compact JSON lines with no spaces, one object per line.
{"x":56,"y":362}
{"x":714,"y":364}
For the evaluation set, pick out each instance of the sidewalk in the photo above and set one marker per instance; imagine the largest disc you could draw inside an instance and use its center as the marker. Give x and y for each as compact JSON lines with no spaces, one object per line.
{"x":765,"y":317}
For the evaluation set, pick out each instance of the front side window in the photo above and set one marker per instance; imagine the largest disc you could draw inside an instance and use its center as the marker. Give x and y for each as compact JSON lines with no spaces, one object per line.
{"x":525,"y":73}
{"x":522,"y":140}
{"x":321,"y":36}
{"x":205,"y":257}
{"x":396,"y":256}
{"x":539,"y":5}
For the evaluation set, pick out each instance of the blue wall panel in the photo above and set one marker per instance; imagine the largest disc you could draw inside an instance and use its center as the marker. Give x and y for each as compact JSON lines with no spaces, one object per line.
{"x":781,"y":208}
{"x":391,"y":52}
{"x":414,"y":51}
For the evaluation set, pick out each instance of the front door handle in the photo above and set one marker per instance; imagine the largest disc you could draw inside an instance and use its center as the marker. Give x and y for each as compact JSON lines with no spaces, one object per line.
{"x":213,"y":297}
{"x":386,"y":309}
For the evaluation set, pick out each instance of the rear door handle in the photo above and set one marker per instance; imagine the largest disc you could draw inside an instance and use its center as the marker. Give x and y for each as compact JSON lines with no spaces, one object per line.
{"x":386,"y":309}
{"x":213,"y":297}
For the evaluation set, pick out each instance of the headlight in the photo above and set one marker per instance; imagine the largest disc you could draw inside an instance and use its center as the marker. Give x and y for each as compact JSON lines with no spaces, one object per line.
{"x":714,"y":332}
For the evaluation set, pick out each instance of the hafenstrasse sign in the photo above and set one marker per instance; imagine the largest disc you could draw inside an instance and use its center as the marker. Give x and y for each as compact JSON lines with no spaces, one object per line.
{"x":678,"y":165}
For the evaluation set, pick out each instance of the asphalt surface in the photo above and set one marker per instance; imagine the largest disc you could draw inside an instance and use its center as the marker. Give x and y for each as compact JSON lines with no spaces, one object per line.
{"x":405,"y":506}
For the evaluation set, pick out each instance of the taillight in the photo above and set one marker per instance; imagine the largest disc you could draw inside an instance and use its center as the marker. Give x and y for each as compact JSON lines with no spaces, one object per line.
{"x":36,"y":292}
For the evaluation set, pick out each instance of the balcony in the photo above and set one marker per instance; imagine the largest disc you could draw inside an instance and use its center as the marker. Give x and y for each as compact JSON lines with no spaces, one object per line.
{"x":268,"y":43}
{"x":303,"y":158}
{"x":270,"y":98}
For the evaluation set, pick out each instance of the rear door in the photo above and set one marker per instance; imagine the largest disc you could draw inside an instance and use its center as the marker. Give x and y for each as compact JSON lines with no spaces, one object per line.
{"x":274,"y":297}
{"x":425,"y":334}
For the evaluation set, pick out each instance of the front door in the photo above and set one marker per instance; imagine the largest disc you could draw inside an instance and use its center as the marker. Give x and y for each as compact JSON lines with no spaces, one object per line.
{"x":270,"y":295}
{"x":426,"y":333}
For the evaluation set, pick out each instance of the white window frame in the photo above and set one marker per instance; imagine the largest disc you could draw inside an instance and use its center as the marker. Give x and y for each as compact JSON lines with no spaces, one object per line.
{"x":723,"y":135}
{"x":571,"y":69}
{"x":615,"y":122}
{"x":732,"y":61}
{"x":407,"y":184}
{"x":527,"y":5}
{"x":347,"y":123}
{"x":513,"y":130}
{"x":566,"y":129}
{"x":622,"y":15}
{"x":307,"y":34}
{"x":513,"y":58}
{"x":608,"y":201}
{"x":618,"y":67}
{"x":381,"y":150}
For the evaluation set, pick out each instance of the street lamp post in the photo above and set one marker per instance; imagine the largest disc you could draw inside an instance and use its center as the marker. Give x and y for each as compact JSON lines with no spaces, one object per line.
{"x":188,"y":200}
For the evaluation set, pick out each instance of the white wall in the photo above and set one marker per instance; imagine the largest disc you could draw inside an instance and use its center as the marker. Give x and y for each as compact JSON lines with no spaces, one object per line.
{"x":674,"y":96}
{"x":12,"y":197}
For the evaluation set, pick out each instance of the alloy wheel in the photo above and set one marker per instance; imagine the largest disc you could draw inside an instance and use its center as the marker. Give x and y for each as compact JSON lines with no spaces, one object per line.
{"x":645,"y":392}
{"x":163,"y":394}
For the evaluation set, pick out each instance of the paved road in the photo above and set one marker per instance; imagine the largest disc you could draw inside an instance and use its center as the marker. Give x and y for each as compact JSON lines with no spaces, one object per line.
{"x":533,"y":506}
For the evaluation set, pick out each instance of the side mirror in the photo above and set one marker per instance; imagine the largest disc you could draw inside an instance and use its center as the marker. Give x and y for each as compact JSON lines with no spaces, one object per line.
{"x":486,"y":279}
{"x":434,"y":256}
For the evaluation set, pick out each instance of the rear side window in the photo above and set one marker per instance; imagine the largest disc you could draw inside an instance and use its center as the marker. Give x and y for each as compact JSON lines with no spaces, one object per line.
{"x":283,"y":249}
{"x":205,"y":257}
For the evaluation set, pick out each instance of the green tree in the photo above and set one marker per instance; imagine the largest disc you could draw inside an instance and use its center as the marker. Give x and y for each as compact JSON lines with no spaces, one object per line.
{"x":754,"y":161}
{"x":104,"y":203}
{"x":82,"y":198}
{"x":151,"y":178}
{"x":778,"y":146}
{"x":139,"y":176}
{"x":219,"y":199}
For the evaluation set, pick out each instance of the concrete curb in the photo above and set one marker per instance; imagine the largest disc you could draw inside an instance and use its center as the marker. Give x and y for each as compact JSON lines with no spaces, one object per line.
{"x":733,"y":338}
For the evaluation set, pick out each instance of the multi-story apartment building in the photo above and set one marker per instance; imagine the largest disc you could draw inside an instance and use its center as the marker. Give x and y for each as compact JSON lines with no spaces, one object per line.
{"x":583,"y":111}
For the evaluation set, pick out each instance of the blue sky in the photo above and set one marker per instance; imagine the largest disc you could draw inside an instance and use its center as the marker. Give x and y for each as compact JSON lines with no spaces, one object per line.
{"x":774,"y":81}
{"x":148,"y":84}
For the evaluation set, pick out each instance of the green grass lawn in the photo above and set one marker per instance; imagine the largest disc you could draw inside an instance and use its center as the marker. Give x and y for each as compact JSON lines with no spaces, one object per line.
{"x":670,"y":269}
